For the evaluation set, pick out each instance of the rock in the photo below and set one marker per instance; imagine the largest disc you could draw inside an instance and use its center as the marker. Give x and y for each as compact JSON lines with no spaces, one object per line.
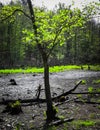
{"x":34,"y":75}
{"x":13,"y":82}
{"x":62,"y":99}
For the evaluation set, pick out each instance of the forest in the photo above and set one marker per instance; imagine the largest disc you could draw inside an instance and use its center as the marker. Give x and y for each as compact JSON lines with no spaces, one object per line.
{"x":78,"y":42}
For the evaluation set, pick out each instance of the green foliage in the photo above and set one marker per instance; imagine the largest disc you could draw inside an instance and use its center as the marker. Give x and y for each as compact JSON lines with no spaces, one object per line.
{"x":90,"y":89}
{"x":63,"y":68}
{"x":40,"y":70}
{"x":83,"y":82}
{"x":98,"y":90}
{"x":95,"y":67}
{"x":80,"y":123}
{"x":79,"y":96}
{"x":52,"y":128}
{"x":96,"y":81}
{"x":51,"y":27}
{"x":18,"y":126}
{"x":44,"y":114}
{"x":56,"y":30}
{"x":7,"y":12}
{"x":15,"y":105}
{"x":54,"y":108}
{"x":61,"y":117}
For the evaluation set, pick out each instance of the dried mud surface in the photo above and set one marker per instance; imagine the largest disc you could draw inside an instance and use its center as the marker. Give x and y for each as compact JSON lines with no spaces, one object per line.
{"x":33,"y":114}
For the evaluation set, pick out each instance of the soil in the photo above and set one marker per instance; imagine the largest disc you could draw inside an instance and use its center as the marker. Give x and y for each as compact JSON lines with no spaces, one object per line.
{"x":33,"y":115}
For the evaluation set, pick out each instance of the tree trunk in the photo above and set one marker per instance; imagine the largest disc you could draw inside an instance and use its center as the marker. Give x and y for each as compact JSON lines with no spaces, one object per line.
{"x":50,"y":111}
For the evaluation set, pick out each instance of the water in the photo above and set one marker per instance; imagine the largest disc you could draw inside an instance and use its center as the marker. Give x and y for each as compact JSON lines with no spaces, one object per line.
{"x":27,"y":84}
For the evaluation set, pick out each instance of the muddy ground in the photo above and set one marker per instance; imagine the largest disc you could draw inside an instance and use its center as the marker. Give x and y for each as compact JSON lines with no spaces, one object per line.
{"x":33,"y":116}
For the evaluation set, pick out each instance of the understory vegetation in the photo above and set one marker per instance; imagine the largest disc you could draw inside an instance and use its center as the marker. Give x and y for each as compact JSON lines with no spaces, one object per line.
{"x":51,"y":69}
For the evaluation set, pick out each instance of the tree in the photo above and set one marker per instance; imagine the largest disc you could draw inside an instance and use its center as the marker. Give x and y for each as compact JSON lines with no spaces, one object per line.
{"x":48,"y":33}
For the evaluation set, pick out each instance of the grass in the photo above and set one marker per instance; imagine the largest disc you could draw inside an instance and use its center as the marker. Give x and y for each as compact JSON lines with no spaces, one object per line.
{"x":96,"y":81}
{"x":83,"y":82}
{"x":76,"y":125}
{"x":82,"y":124}
{"x":27,"y":70}
{"x":52,"y":69}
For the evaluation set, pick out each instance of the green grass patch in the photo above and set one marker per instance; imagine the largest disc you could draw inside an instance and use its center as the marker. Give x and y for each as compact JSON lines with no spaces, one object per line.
{"x":96,"y":81}
{"x":52,"y":69}
{"x":83,"y":82}
{"x":95,"y":67}
{"x":90,"y":89}
{"x":92,"y":67}
{"x":80,"y":124}
{"x":75,"y":125}
{"x":27,"y":70}
{"x":63,"y":68}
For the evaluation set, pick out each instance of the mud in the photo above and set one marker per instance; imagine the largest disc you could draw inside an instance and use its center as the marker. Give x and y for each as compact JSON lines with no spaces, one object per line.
{"x":32,"y":116}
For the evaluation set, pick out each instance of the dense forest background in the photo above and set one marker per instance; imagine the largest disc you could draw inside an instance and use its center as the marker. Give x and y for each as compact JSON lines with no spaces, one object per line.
{"x":81,"y":45}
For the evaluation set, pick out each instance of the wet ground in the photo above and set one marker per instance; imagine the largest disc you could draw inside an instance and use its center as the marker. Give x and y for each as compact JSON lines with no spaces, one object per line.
{"x":27,"y":84}
{"x":26,"y":87}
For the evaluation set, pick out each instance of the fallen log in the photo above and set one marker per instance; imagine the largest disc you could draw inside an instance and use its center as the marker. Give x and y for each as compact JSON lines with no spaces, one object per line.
{"x":88,"y":102}
{"x":68,"y":92}
{"x":39,"y":100}
{"x":85,"y":93}
{"x":23,"y":101}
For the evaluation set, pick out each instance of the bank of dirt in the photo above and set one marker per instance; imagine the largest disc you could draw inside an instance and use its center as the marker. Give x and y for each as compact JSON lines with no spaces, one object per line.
{"x":33,"y":115}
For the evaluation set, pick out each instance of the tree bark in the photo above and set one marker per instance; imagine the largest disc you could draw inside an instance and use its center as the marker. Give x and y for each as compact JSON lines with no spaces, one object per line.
{"x":50,"y":111}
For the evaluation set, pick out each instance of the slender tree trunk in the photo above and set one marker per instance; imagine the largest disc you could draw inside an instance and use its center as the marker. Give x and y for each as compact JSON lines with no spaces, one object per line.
{"x":50,"y":111}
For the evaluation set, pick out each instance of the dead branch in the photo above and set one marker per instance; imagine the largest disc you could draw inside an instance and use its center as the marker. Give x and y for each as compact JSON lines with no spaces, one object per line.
{"x":23,"y":101}
{"x":68,"y":92}
{"x":85,"y":93}
{"x":39,"y":100}
{"x":88,"y":102}
{"x":59,"y":122}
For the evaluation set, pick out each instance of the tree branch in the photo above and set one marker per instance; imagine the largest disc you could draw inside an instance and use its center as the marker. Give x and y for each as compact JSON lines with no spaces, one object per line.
{"x":14,"y":13}
{"x":58,"y":33}
{"x":42,"y":100}
{"x":68,"y":92}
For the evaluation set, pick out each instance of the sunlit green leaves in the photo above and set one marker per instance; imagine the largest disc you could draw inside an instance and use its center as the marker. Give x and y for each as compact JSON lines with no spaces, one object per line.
{"x":28,"y":36}
{"x":52,"y":26}
{"x":6,"y":12}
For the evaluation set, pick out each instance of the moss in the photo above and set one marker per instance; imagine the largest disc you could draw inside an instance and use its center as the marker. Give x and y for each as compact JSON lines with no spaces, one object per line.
{"x":96,"y":81}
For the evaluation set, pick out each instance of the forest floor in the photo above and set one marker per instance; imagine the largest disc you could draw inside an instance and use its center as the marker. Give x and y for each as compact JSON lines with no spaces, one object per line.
{"x":83,"y":108}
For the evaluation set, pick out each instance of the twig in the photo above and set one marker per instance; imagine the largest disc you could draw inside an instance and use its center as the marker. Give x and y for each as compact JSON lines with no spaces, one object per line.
{"x":58,"y":122}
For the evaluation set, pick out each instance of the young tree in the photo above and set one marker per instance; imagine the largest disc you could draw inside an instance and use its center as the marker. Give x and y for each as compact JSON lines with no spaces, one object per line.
{"x":49,"y":30}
